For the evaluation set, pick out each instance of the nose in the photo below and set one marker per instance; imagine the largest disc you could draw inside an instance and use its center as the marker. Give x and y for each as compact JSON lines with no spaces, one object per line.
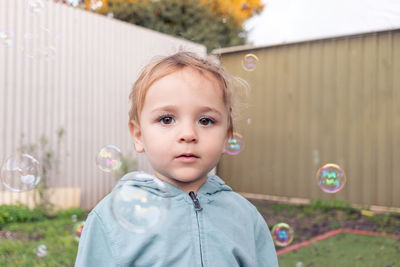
{"x":188,"y":133}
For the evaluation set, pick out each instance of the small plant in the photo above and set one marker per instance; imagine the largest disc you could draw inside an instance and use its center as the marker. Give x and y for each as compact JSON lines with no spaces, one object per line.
{"x":128,"y":164}
{"x":326,"y":205}
{"x":334,"y":224}
{"x":68,"y":213}
{"x":18,"y":213}
{"x":49,"y":159}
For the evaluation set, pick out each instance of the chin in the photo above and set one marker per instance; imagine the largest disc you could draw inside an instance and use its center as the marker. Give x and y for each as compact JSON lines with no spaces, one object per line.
{"x":187,"y":177}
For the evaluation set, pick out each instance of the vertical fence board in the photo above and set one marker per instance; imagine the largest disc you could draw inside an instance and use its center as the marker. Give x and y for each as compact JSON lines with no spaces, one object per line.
{"x":84,"y":89}
{"x":324,"y":101}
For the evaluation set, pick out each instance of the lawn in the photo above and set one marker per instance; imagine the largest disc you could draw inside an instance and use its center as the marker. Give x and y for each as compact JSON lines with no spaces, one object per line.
{"x":19,"y":240}
{"x":319,"y":217}
{"x":346,"y":250}
{"x":22,"y":231}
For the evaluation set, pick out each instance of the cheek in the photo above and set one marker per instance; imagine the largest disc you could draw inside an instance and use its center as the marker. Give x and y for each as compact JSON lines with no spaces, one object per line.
{"x":155,"y":144}
{"x":216,"y":143}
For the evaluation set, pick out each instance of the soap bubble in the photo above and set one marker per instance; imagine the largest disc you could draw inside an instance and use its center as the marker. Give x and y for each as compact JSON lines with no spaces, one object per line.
{"x":40,"y":44}
{"x":140,"y":202}
{"x":20,"y":173}
{"x":41,"y":251}
{"x":299,"y":264}
{"x":48,"y":52}
{"x":109,"y":158}
{"x":249,"y":62}
{"x":330,"y":178}
{"x":29,"y":45}
{"x":282,"y":234}
{"x":234,"y":144}
{"x":35,"y":6}
{"x":78,"y":228}
{"x":96,"y":4}
{"x":7,"y":38}
{"x":74,"y":218}
{"x":73,"y":3}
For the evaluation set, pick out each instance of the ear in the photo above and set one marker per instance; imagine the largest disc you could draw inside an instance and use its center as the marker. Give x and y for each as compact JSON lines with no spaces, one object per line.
{"x":136,"y":133}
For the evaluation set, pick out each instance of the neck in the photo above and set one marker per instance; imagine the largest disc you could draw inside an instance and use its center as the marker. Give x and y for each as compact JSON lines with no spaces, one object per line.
{"x":184,"y":186}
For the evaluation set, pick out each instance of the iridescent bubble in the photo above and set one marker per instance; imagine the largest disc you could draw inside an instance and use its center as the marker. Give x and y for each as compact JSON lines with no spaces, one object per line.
{"x":109,"y":158}
{"x":41,"y":251}
{"x":74,"y":218}
{"x":299,"y":264}
{"x":140,"y":202}
{"x":48,"y":53}
{"x":234,"y":144}
{"x":20,"y":173}
{"x":96,"y":4}
{"x":330,"y":178}
{"x":282,"y":234}
{"x":30,"y":45}
{"x":78,"y":228}
{"x":7,"y":38}
{"x":40,"y":44}
{"x":249,"y":62}
{"x":73,"y":3}
{"x":35,"y":6}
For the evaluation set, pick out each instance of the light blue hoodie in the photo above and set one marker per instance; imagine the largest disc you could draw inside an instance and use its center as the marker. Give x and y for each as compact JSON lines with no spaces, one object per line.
{"x":222,"y":230}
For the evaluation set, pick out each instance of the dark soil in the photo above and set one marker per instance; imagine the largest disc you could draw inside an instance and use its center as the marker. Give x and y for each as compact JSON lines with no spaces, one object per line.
{"x":308,"y":221}
{"x":19,"y":236}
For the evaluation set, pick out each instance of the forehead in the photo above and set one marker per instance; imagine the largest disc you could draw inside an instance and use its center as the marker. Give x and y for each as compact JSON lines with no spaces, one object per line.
{"x":185,"y":85}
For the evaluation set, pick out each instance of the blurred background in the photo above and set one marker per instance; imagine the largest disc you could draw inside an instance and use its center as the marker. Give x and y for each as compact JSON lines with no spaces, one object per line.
{"x":324,"y":79}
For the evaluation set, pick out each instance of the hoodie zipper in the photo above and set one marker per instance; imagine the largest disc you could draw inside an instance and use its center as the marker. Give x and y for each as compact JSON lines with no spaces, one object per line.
{"x":197,"y":208}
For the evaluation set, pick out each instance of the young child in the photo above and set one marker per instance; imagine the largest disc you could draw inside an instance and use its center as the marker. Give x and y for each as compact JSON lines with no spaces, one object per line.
{"x":181,"y":117}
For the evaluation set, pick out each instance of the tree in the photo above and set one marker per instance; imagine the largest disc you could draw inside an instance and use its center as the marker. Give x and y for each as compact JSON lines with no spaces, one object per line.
{"x":195,"y":20}
{"x":238,"y":10}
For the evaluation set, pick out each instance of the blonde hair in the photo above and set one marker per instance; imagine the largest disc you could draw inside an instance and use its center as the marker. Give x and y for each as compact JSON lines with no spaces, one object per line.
{"x":164,"y":66}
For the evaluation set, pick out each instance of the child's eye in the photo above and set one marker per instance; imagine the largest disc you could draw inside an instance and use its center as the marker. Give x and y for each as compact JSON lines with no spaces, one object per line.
{"x":206,"y":121}
{"x":166,"y":120}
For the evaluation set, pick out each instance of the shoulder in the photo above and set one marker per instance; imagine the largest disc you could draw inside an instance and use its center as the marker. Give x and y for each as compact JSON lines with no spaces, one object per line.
{"x":239,"y":204}
{"x":102,"y":207}
{"x":101,"y":214}
{"x":238,"y":199}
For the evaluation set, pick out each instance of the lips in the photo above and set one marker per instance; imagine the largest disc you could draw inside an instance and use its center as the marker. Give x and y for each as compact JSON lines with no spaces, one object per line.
{"x":187,"y":157}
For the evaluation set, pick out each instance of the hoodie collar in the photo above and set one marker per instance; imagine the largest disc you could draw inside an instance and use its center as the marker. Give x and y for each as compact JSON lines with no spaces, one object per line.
{"x":213,"y":185}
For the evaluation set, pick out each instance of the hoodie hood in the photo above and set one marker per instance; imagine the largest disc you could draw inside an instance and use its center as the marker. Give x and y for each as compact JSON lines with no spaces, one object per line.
{"x":213,"y":185}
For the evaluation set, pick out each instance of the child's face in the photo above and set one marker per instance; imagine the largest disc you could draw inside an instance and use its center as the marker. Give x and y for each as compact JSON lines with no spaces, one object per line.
{"x":183,"y":127}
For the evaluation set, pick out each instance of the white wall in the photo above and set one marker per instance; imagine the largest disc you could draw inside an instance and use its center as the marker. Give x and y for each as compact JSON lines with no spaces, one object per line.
{"x":84,"y":88}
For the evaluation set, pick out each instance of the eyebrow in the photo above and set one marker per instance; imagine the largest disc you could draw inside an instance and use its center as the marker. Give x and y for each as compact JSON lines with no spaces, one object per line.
{"x":172,"y":108}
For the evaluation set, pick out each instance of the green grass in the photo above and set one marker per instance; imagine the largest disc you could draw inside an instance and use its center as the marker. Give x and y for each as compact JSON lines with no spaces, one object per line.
{"x":345,"y":250}
{"x":22,"y":230}
{"x":19,"y":247}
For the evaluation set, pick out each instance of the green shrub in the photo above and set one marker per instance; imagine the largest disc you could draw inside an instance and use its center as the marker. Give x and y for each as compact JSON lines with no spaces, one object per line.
{"x":67,"y":213}
{"x":18,"y":213}
{"x":326,"y":205}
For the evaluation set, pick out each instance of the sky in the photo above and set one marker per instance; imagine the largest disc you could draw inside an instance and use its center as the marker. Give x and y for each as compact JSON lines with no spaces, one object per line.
{"x":295,"y":20}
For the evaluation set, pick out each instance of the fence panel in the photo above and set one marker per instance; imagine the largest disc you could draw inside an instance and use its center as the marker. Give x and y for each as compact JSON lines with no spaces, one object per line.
{"x":333,"y":100}
{"x":81,"y":84}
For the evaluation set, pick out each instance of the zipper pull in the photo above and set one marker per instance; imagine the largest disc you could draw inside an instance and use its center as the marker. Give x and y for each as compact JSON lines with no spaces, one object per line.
{"x":196,"y":202}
